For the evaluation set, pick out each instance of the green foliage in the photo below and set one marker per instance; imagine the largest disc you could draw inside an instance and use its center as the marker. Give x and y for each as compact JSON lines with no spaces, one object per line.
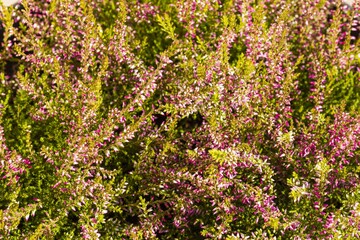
{"x":178,"y":120}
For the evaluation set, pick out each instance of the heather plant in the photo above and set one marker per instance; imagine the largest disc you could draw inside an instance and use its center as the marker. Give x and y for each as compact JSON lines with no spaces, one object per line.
{"x":179,"y":120}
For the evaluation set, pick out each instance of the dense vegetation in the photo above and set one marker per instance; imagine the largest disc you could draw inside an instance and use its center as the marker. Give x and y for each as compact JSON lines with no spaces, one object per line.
{"x":190,"y":119}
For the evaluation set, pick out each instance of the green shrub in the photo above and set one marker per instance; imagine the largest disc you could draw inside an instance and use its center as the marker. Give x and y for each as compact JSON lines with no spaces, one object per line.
{"x":179,"y":120}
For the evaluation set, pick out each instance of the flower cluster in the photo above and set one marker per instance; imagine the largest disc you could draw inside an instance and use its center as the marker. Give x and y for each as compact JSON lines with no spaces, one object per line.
{"x":194,"y":119}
